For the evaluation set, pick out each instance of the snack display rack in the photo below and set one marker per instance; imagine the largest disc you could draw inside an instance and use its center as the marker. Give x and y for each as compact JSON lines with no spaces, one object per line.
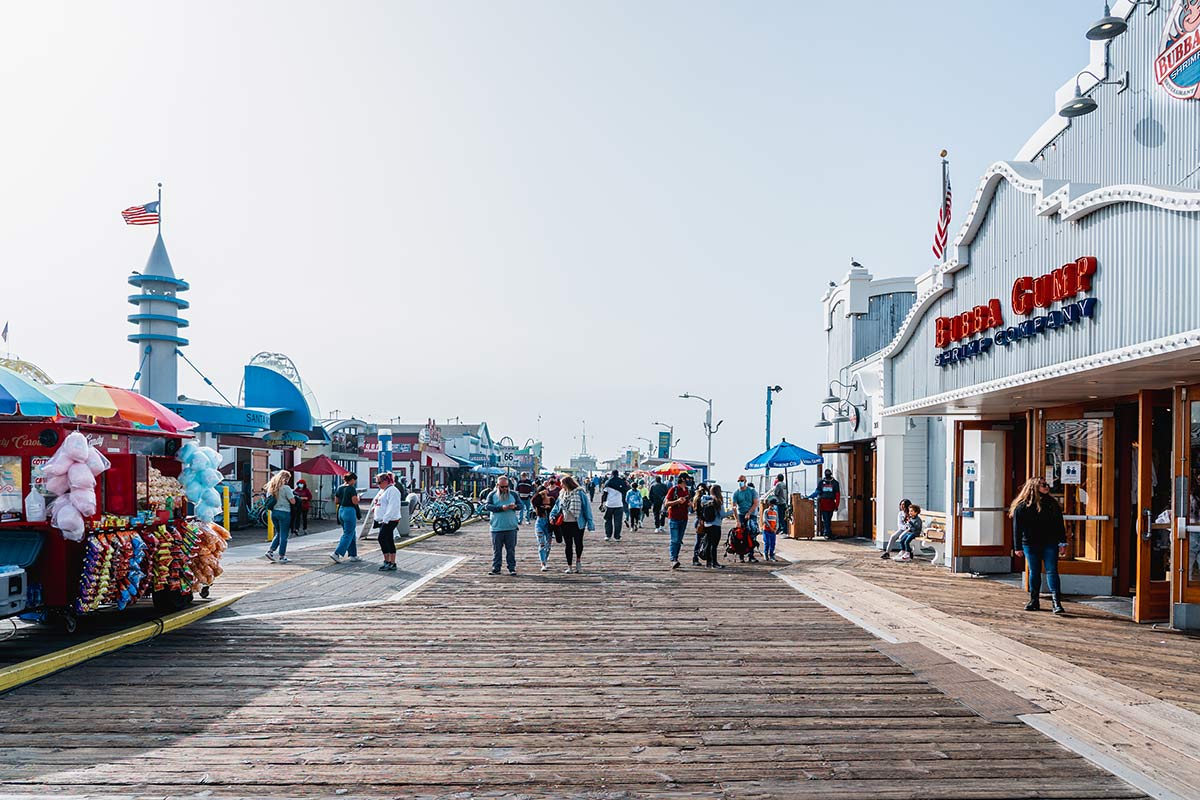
{"x":130,"y":551}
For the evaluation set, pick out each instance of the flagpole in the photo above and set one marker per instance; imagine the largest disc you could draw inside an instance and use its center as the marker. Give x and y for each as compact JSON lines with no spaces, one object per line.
{"x":160,"y":208}
{"x":945,"y":183}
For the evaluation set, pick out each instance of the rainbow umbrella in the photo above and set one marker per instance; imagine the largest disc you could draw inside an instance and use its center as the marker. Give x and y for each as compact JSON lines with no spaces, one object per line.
{"x":20,"y":395}
{"x":672,"y":468}
{"x":93,"y":399}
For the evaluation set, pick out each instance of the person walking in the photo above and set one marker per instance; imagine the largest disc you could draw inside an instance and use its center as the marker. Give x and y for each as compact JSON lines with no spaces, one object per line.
{"x":701,"y":537}
{"x":300,"y":510}
{"x":346,"y":501}
{"x":1042,"y":536}
{"x":573,"y":511}
{"x":710,"y":508}
{"x":389,"y":508}
{"x":281,"y":498}
{"x":783,"y":503}
{"x":525,"y":494}
{"x":828,"y":495}
{"x":592,"y":483}
{"x":633,"y":498}
{"x":745,"y":499}
{"x":658,"y":495}
{"x":675,"y":504}
{"x":503,"y":505}
{"x":542,"y":502}
{"x":614,"y":506}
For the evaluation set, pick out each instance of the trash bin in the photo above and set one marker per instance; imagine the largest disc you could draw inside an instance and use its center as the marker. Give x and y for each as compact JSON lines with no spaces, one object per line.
{"x":404,"y":527}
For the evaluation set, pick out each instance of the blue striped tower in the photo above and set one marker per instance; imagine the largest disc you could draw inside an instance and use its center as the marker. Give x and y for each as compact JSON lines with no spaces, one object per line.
{"x":158,"y":306}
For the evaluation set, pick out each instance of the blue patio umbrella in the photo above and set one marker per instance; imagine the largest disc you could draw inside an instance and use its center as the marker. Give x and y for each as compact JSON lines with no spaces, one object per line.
{"x":784,"y":455}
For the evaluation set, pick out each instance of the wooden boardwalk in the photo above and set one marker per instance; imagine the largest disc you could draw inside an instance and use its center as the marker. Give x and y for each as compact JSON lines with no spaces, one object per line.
{"x":629,"y":680}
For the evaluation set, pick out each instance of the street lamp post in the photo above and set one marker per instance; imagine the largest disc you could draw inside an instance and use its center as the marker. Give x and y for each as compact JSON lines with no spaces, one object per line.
{"x":709,"y":429}
{"x":771,"y":390}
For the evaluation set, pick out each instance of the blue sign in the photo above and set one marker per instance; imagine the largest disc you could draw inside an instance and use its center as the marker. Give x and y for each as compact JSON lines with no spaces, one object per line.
{"x":664,"y":444}
{"x":385,"y":451}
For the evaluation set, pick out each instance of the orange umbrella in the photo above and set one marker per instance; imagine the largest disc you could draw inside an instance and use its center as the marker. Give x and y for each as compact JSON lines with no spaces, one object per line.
{"x":92,"y":399}
{"x":672,"y":468}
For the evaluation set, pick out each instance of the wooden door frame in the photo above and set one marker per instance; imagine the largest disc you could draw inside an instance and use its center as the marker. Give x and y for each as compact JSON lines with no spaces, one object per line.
{"x":1108,"y":550}
{"x":973,"y":550}
{"x":1181,"y":592}
{"x":1149,"y":603}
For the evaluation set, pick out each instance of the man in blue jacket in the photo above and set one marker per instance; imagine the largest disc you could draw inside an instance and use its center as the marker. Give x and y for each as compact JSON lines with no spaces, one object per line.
{"x":503,"y":505}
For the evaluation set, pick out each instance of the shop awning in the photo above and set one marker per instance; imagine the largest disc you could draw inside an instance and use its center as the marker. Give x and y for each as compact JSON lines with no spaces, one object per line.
{"x":462,"y":462}
{"x":438,"y":460}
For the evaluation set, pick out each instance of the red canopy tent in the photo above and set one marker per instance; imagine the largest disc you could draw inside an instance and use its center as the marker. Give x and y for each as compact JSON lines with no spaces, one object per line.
{"x":321,"y":465}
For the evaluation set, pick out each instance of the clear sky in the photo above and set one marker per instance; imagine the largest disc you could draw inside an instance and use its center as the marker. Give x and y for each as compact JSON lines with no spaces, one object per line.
{"x":503,"y":210}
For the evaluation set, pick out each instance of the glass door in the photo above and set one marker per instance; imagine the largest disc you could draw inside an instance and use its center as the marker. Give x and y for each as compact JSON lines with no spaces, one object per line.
{"x":1152,"y":597}
{"x":983,"y":480}
{"x":1076,"y":455}
{"x":1187,"y":540}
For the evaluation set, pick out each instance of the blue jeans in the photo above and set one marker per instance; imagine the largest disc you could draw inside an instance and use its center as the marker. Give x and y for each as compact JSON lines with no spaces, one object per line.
{"x":283,"y":523}
{"x":677,"y":528}
{"x":826,"y":524}
{"x":348,"y":544}
{"x":769,"y":544}
{"x":1039,"y":559}
{"x":523,"y":509}
{"x":504,"y":542}
{"x":542,"y":526}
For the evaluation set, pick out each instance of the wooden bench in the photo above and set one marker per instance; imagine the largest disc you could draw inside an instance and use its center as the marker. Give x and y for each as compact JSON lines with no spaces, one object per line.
{"x":933,"y":537}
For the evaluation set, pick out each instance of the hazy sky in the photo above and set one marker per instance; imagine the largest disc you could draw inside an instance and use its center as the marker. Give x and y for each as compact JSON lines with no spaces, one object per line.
{"x":500,"y":210}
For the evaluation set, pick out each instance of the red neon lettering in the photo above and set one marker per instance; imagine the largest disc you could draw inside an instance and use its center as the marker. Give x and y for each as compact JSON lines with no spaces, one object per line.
{"x":994,"y":319}
{"x":1022,"y":296}
{"x":1085,"y":268}
{"x":979,"y":318}
{"x":941,"y":331}
{"x":1041,"y":291}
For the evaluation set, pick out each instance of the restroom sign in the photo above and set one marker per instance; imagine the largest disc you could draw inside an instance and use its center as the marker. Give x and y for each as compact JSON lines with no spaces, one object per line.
{"x":969,"y":472}
{"x":1072,"y":471}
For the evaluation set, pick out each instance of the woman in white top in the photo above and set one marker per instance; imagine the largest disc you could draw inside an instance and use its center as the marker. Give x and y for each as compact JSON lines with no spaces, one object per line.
{"x":901,"y":528}
{"x":389,"y":506}
{"x":281,"y":514}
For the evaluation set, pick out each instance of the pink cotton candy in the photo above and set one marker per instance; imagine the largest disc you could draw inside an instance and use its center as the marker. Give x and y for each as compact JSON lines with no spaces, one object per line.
{"x":81,"y":477}
{"x":58,"y":484}
{"x":84,"y":501}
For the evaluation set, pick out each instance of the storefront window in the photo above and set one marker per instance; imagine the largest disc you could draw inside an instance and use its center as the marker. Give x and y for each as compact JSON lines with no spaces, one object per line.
{"x":1193,"y":514}
{"x":1074,"y":461}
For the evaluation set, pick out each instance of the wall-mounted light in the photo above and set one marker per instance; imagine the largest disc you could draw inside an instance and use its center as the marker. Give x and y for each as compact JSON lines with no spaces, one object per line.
{"x":1079,"y":105}
{"x":1110,"y":27}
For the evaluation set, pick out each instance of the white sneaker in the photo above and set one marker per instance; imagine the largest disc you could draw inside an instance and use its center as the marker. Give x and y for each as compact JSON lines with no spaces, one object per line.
{"x":544,"y":566}
{"x":569,"y":569}
{"x":336,"y":558}
{"x":284,"y":560}
{"x":577,"y":567}
{"x":354,"y":558}
{"x":270,"y":555}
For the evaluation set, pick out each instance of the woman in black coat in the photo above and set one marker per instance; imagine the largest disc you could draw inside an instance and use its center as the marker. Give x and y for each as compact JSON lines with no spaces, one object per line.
{"x":1042,"y":535}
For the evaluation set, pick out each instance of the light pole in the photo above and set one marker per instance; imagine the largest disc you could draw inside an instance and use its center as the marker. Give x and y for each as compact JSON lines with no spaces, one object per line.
{"x":671,"y":440}
{"x":709,"y":429}
{"x":771,"y":390}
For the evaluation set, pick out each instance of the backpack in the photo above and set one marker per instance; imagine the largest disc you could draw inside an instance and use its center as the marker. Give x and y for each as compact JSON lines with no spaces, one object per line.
{"x":708,"y":508}
{"x":269,"y":503}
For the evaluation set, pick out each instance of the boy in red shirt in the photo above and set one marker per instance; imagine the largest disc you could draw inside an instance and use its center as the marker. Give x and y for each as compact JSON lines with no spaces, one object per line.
{"x":770,"y":528}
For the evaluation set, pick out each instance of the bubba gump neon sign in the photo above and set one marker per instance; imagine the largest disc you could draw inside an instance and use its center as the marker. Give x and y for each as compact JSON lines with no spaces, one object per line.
{"x":1028,"y":294}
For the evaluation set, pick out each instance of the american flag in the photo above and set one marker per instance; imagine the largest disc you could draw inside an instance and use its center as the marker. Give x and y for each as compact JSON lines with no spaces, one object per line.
{"x":943,"y":224}
{"x":141,"y":215}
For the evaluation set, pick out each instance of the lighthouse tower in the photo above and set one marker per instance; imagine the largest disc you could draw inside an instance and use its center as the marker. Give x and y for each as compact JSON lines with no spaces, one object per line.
{"x":158,"y":306}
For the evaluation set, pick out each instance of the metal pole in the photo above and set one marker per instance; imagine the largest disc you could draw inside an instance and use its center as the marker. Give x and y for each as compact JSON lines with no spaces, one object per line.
{"x":767,"y":479}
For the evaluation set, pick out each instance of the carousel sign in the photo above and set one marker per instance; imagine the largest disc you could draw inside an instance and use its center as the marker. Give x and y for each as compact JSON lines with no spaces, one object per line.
{"x":1177,"y":67}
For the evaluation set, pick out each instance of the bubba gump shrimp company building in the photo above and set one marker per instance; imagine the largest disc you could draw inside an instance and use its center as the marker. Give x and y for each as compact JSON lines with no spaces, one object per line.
{"x":1061,"y":337}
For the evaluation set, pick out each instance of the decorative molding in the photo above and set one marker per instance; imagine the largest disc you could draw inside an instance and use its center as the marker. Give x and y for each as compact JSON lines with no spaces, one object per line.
{"x":1069,"y":202}
{"x":1157,"y":347}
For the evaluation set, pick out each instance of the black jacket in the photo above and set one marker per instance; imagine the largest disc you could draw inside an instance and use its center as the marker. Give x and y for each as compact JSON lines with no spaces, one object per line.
{"x":1040,"y":528}
{"x":658,"y":493}
{"x":618,"y":483}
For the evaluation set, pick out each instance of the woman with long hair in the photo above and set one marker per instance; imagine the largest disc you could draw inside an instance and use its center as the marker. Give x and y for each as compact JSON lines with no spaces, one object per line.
{"x":576,"y":512}
{"x":710,"y":509}
{"x":901,"y":528}
{"x":278,"y":491}
{"x":1042,"y":535}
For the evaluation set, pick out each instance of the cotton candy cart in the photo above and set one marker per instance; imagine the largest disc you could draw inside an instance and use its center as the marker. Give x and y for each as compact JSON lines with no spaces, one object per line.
{"x":121,"y":543}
